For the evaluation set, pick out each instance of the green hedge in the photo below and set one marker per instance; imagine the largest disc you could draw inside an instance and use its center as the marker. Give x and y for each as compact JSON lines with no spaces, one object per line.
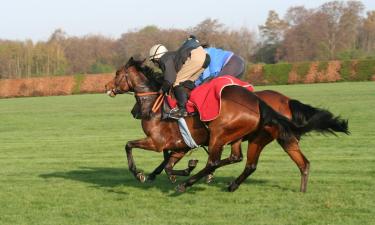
{"x":302,"y":69}
{"x":346,"y":67}
{"x":78,"y":80}
{"x":322,"y":66}
{"x":277,"y":73}
{"x":350,"y":70}
{"x":365,"y":69}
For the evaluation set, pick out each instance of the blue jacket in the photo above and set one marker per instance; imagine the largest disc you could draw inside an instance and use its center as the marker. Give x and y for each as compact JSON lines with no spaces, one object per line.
{"x":219,"y":58}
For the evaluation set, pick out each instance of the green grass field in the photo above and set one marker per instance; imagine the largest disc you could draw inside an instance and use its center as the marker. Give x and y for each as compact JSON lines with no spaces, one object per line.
{"x":62,"y":162}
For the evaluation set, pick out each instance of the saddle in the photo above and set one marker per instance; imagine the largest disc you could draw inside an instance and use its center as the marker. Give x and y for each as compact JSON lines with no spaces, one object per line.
{"x":204,"y":100}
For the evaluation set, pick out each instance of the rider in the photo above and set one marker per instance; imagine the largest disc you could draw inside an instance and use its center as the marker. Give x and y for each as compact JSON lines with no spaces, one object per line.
{"x":222,"y":63}
{"x":185,"y":64}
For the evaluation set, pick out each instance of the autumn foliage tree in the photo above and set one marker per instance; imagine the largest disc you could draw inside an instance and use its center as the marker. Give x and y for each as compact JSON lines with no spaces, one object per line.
{"x":272,"y":35}
{"x":63,"y":54}
{"x":334,"y":30}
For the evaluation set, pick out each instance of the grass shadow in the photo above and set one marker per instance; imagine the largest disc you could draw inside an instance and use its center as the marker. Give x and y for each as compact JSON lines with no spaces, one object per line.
{"x":109,"y":178}
{"x":112,"y":179}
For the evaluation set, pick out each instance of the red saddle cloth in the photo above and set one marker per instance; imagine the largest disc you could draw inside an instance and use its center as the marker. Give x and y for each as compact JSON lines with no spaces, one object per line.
{"x":206,"y":98}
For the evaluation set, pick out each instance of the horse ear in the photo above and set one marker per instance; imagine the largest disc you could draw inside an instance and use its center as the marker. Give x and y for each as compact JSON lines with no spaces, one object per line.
{"x":130,"y":62}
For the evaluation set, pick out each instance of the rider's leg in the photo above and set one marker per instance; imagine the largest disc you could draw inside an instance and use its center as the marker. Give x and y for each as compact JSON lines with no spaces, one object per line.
{"x":235,"y":67}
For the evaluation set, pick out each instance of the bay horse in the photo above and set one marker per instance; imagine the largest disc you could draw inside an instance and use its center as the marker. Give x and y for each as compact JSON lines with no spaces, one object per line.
{"x":132,"y":77}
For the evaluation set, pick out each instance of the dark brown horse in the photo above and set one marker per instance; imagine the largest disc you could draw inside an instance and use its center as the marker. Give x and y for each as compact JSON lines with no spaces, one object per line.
{"x":131,"y":78}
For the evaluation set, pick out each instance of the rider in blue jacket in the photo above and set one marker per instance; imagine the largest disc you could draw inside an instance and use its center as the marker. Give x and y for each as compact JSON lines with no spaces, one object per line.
{"x":222,"y":63}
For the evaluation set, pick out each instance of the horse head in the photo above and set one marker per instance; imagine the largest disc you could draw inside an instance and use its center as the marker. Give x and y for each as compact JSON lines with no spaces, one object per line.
{"x":137,"y":78}
{"x":124,"y":80}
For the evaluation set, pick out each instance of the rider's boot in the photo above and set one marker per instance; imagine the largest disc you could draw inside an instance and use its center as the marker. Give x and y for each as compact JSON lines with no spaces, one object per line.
{"x":182,"y":97}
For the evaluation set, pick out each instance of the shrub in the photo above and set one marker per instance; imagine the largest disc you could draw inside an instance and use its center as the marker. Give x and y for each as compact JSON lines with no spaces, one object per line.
{"x":277,"y":73}
{"x":302,"y":69}
{"x":78,"y":80}
{"x":333,"y":71}
{"x":255,"y":74}
{"x":313,"y":75}
{"x":365,"y":69}
{"x":346,"y":67}
{"x":322,"y":66}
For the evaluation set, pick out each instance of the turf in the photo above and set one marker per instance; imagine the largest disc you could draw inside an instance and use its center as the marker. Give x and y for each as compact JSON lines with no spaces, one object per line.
{"x":62,"y":162}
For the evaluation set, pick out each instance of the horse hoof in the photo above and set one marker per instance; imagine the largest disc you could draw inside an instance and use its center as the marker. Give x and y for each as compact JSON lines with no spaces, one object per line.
{"x":141,"y":177}
{"x":173,"y":179}
{"x":232,"y":186}
{"x":209,"y":178}
{"x":192,"y":162}
{"x":181,"y":188}
{"x":151,"y":178}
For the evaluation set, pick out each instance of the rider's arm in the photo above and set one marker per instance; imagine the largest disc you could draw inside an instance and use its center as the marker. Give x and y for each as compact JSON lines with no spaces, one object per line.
{"x":169,"y":72}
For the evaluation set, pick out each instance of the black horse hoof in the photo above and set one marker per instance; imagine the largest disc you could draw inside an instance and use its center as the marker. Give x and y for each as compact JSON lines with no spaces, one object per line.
{"x":193,"y":163}
{"x":173,"y":179}
{"x":181,"y":188}
{"x":141,"y":177}
{"x":151,"y":178}
{"x":233,"y":186}
{"x":209,"y":178}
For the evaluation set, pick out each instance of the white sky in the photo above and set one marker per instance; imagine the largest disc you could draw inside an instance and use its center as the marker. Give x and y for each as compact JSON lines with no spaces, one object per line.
{"x":37,"y":19}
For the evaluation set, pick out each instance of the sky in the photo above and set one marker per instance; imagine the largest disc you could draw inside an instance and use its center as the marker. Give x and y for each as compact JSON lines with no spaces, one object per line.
{"x":37,"y":19}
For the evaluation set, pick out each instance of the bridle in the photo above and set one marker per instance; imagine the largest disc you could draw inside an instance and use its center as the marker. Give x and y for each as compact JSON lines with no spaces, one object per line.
{"x":117,"y":83}
{"x":158,"y":101}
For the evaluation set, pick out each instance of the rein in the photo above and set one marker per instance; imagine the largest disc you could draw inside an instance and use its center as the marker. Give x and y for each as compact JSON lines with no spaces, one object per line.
{"x":158,"y":101}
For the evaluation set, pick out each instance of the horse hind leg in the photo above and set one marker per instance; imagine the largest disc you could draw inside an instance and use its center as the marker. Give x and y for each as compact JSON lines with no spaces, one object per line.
{"x":293,"y":150}
{"x":254,"y":149}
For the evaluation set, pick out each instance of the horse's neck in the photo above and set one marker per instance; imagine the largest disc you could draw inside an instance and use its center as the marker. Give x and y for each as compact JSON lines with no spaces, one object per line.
{"x":142,"y":85}
{"x":143,"y":88}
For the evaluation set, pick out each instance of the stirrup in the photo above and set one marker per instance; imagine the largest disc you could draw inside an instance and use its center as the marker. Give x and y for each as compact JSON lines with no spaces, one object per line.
{"x":177,"y":113}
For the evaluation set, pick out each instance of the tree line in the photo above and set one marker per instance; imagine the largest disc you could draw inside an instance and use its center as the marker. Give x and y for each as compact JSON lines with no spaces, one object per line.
{"x":334,"y":30}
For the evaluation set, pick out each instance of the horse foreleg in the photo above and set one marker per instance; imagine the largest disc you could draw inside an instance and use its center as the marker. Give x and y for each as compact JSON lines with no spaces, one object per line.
{"x":212,"y":163}
{"x":159,"y":169}
{"x":175,"y":158}
{"x":253,"y":152}
{"x":146,"y":144}
{"x":234,"y":157}
{"x":293,"y":150}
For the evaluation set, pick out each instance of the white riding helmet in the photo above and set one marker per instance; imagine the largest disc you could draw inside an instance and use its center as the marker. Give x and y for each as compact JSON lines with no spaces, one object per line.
{"x":157,"y":51}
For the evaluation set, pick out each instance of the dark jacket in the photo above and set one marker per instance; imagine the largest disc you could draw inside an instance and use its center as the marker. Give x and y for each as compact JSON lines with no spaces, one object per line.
{"x":171,"y":62}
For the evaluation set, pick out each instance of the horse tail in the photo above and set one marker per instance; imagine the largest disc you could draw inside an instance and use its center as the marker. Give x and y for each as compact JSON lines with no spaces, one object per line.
{"x":287,"y":128}
{"x":309,"y":119}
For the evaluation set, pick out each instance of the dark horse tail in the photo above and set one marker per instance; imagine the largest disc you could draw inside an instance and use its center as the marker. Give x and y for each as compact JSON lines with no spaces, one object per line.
{"x":309,"y":119}
{"x":287,"y":128}
{"x":305,"y":118}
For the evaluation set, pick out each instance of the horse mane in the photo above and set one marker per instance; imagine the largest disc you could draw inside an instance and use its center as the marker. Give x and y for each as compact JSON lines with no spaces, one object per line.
{"x":155,"y":78}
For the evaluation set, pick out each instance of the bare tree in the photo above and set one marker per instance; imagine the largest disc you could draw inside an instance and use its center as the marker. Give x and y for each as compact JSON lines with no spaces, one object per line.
{"x":367,"y":34}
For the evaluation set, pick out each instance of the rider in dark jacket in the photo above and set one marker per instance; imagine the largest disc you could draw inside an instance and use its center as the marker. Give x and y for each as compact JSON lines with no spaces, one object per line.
{"x":187,"y":63}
